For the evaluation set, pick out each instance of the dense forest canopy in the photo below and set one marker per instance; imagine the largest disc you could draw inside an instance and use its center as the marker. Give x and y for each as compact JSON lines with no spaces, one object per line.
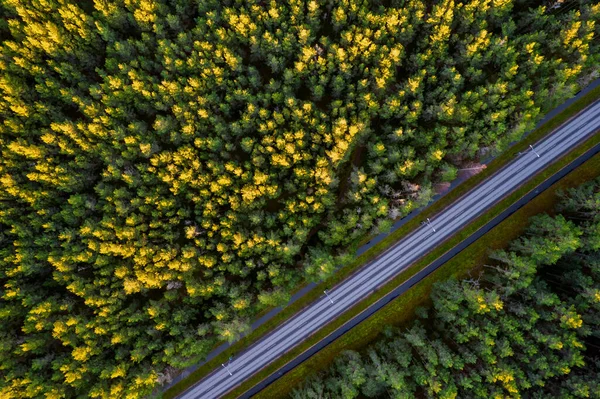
{"x":528,"y":327}
{"x":170,"y":167}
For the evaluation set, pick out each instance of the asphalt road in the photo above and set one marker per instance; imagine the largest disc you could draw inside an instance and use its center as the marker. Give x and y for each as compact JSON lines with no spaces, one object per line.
{"x":373,"y":275}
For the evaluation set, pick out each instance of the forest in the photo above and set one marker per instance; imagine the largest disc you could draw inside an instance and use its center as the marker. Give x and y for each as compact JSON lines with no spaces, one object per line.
{"x":527,"y":326}
{"x":170,"y":168}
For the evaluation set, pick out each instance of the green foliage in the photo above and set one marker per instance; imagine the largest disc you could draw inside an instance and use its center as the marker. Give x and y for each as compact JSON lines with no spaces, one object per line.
{"x":527,"y":327}
{"x":170,"y":168}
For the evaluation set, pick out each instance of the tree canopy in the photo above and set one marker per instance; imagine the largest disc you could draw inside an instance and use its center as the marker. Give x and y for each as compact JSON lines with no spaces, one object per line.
{"x":170,"y":168}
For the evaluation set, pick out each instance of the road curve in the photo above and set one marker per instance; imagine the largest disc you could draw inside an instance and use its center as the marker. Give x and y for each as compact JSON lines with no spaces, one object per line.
{"x":397,"y":258}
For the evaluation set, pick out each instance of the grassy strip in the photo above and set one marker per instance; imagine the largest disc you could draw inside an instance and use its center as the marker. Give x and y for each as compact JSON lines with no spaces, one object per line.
{"x":375,"y":251}
{"x":366,"y":331}
{"x":401,"y":310}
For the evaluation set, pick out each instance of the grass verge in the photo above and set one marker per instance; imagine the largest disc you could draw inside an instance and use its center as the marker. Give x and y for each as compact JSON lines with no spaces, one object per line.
{"x":401,"y":310}
{"x":366,"y":257}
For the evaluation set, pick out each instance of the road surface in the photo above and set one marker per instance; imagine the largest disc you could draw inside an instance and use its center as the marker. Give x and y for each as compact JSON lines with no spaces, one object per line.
{"x":397,"y":258}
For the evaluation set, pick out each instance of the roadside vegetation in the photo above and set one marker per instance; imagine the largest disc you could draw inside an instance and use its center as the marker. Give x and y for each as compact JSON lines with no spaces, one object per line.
{"x":169,"y":169}
{"x":401,"y":309}
{"x":526,"y":324}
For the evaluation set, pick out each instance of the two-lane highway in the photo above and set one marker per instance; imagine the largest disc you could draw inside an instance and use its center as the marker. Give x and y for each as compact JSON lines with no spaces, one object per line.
{"x":397,"y":258}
